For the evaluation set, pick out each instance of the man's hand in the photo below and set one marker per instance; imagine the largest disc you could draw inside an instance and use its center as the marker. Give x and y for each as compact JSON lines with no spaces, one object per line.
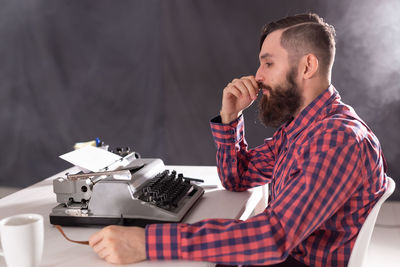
{"x":238,"y":95}
{"x":119,"y":244}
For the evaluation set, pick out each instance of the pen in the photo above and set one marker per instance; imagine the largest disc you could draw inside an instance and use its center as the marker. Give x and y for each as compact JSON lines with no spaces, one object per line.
{"x":193,"y":179}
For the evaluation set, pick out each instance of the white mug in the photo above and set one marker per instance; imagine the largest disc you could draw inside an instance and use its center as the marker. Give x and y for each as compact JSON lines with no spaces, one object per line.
{"x":22,"y":240}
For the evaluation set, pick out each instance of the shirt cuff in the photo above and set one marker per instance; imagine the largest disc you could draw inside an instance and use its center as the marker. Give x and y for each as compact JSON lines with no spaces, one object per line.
{"x":227,"y":134}
{"x":162,"y":241}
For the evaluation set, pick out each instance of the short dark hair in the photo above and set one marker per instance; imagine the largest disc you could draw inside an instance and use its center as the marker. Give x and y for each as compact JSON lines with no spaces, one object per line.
{"x":303,"y":34}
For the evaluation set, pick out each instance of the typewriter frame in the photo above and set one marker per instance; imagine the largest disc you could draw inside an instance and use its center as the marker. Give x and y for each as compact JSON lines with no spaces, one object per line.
{"x":113,"y":201}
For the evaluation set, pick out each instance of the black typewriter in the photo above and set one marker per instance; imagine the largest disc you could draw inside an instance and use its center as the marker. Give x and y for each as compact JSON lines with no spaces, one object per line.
{"x":151,"y":194}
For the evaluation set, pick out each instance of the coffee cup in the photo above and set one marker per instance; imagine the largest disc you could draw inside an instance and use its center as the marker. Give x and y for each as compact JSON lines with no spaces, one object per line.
{"x":22,"y":238}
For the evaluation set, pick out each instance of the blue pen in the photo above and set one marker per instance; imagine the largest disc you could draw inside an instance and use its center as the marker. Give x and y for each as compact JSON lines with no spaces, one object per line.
{"x":98,"y":142}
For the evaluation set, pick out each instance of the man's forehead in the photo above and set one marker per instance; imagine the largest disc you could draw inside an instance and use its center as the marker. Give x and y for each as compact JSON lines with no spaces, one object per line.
{"x":271,"y":46}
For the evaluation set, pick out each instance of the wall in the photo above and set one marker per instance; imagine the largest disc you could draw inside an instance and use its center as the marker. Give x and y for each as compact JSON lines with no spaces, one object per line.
{"x":149,"y":74}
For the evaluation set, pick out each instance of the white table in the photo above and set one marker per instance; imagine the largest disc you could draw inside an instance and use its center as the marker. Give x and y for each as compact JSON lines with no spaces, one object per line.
{"x":39,"y":198}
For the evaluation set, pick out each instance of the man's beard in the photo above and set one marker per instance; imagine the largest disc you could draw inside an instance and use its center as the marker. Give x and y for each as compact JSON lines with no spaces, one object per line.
{"x":281,"y":104}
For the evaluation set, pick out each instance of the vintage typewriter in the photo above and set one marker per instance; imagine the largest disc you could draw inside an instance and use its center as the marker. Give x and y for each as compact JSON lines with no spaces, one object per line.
{"x":148,"y":194}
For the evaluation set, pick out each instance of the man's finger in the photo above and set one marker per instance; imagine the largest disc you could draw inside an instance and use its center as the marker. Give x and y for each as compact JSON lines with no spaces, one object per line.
{"x":110,"y":259}
{"x":252,"y":90}
{"x":96,"y":238}
{"x":98,"y":247}
{"x":103,"y":253}
{"x":252,"y":79}
{"x":242,"y":88}
{"x":254,"y":82}
{"x":233,"y":91}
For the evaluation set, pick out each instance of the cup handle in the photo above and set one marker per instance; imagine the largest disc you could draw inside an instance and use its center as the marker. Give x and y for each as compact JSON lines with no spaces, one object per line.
{"x":1,"y":249}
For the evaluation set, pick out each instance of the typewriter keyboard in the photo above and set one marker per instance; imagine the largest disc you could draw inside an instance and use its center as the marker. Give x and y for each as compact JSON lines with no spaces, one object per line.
{"x":165,"y":190}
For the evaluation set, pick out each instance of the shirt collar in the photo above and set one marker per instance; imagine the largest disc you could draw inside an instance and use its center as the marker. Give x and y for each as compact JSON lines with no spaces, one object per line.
{"x":310,"y":113}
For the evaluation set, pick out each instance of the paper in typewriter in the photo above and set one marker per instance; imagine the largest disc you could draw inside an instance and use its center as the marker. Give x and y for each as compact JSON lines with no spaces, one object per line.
{"x":91,"y":158}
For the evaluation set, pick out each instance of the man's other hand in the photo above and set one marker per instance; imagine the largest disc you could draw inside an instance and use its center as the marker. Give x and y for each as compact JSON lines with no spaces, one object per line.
{"x":119,"y":244}
{"x":238,"y":95}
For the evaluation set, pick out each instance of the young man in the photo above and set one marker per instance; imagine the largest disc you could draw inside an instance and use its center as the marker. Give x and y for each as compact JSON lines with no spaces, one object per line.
{"x":324,"y":165}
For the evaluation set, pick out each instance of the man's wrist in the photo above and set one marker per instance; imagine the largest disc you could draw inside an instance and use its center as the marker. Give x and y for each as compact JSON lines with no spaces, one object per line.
{"x":227,"y":118}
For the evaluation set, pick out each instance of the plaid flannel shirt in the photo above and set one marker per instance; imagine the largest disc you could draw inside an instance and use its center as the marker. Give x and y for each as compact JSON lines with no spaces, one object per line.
{"x":326,"y":171}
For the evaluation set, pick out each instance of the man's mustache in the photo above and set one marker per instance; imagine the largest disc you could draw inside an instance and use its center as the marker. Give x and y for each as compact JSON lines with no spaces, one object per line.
{"x":263,"y":86}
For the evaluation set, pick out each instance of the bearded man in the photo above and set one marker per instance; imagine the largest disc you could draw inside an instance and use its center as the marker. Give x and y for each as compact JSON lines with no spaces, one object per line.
{"x":324,"y":166}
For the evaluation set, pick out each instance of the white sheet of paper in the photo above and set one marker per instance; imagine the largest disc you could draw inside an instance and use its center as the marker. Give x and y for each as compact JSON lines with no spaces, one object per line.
{"x":91,"y":158}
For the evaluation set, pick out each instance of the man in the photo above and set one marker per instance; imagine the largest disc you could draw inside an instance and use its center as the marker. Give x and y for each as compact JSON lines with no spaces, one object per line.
{"x":324,"y":165}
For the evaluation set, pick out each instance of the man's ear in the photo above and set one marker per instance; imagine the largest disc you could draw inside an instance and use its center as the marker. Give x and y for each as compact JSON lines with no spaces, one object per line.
{"x":309,"y":66}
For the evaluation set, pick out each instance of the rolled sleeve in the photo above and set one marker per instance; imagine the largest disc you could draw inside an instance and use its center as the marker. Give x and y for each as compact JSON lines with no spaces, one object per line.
{"x":227,"y":134}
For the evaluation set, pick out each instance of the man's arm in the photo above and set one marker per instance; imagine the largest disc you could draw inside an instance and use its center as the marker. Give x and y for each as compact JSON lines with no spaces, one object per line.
{"x":238,"y":167}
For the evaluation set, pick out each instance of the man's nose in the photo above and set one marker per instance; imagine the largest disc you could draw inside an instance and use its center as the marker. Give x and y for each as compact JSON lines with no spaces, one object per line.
{"x":259,"y":77}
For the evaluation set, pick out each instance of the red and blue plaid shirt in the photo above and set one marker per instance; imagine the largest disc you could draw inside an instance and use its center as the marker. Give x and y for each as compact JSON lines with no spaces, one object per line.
{"x":326,"y":171}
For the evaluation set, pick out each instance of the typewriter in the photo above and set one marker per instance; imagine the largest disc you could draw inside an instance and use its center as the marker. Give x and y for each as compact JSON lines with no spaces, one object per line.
{"x":149,"y":194}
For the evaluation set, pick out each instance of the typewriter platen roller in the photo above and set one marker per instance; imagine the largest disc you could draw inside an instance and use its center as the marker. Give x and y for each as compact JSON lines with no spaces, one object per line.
{"x":151,"y":194}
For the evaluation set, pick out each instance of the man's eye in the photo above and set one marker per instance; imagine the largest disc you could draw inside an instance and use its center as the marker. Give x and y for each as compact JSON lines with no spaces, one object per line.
{"x":268,"y":64}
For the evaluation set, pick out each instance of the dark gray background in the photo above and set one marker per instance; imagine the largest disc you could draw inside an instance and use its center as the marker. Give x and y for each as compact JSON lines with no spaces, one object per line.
{"x":149,"y":74}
